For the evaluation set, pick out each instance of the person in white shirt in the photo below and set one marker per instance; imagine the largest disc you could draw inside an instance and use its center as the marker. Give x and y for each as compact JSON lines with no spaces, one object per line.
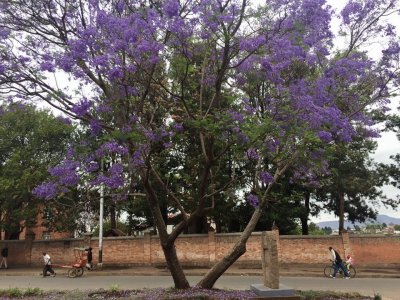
{"x":338,"y":263}
{"x":47,"y":265}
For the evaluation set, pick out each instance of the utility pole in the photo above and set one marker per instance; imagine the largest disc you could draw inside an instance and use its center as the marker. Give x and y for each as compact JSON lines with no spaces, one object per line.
{"x":100,"y":264}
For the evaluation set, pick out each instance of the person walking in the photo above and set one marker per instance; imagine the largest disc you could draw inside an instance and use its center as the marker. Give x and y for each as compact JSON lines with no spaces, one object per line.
{"x":89,"y":258}
{"x":4,"y":255}
{"x":47,"y":265}
{"x":335,"y":257}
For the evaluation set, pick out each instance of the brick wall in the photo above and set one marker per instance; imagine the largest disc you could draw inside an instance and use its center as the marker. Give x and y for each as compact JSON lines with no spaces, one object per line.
{"x":204,"y":250}
{"x":376,"y":250}
{"x":308,"y":249}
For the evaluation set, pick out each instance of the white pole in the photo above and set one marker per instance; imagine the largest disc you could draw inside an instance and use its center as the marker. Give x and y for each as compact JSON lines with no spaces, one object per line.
{"x":101,"y":222}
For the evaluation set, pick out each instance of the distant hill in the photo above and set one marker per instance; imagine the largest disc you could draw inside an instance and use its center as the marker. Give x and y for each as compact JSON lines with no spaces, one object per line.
{"x":380,"y":219}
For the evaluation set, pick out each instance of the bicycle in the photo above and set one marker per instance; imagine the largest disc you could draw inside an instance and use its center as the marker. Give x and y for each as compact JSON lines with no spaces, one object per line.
{"x":328,"y":271}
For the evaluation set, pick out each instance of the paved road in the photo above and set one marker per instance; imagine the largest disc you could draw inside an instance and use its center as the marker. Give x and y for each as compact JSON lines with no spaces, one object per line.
{"x":388,"y":288}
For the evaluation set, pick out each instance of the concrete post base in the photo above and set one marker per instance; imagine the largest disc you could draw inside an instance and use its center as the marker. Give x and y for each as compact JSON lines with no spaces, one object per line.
{"x":282,"y":292}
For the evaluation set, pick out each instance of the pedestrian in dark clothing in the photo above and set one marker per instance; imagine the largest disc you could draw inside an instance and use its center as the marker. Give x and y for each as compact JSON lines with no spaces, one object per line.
{"x":89,"y":258}
{"x":47,"y":265}
{"x":338,"y":263}
{"x":4,"y":255}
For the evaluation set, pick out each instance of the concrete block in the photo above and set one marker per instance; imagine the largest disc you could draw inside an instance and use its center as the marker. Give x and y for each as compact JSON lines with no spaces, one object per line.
{"x":262,"y":290}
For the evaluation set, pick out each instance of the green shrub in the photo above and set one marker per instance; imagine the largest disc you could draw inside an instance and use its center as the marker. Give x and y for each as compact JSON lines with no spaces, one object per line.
{"x":33,"y":292}
{"x":377,"y":296}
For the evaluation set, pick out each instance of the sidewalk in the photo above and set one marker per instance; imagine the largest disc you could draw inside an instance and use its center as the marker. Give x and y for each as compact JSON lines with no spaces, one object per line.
{"x":285,"y":271}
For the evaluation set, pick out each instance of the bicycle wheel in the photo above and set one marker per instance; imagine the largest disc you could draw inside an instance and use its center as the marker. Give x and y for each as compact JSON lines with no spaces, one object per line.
{"x":328,"y":271}
{"x":79,"y":272}
{"x":352,"y":272}
{"x":72,"y":273}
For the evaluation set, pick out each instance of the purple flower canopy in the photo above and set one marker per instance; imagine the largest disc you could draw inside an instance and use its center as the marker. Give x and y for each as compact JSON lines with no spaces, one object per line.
{"x":263,"y":81}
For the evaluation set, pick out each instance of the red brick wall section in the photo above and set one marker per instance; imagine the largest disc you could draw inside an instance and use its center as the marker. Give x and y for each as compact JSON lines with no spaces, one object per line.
{"x":375,"y":250}
{"x":121,"y":251}
{"x":194,"y":250}
{"x":308,"y":249}
{"x":16,"y":252}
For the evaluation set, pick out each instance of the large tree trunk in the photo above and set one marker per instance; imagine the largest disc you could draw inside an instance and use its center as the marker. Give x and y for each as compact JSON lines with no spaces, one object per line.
{"x":238,"y":250}
{"x":113,"y":217}
{"x":168,"y":246}
{"x":304,"y":217}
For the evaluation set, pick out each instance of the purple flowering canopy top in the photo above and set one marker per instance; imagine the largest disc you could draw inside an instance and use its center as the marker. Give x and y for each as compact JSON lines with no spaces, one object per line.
{"x":200,"y":83}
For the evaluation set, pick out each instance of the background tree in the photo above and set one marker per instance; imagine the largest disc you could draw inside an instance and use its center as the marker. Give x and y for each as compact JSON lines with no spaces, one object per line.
{"x":353,"y":188}
{"x":31,"y":141}
{"x":393,"y":169}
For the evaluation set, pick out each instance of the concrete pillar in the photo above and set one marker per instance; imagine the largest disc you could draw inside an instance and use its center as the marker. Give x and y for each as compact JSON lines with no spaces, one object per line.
{"x":346,"y":245}
{"x":29,"y":237}
{"x":270,"y":258}
{"x":87,"y":239}
{"x":147,"y":247}
{"x":211,"y":246}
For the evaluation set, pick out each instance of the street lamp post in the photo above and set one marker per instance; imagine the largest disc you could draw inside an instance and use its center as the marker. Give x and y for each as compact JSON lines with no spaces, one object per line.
{"x":100,"y":264}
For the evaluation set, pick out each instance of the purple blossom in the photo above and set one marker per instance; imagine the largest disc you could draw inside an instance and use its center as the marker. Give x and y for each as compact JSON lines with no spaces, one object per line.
{"x":113,"y":147}
{"x":101,"y":61}
{"x":243,"y":138}
{"x":116,"y":169}
{"x":113,"y":182}
{"x":120,"y":6}
{"x":47,"y":190}
{"x":66,"y":173}
{"x":82,"y":108}
{"x":92,"y":167}
{"x":64,"y":120}
{"x":325,"y":136}
{"x":150,"y":135}
{"x":70,"y":153}
{"x":236,"y":116}
{"x":253,"y":200}
{"x":266,"y":177}
{"x":133,"y":119}
{"x":95,"y":127}
{"x":126,"y":129}
{"x":167,"y":145}
{"x":137,"y":158}
{"x":47,"y":66}
{"x":171,"y":8}
{"x":4,"y":32}
{"x":116,"y":73}
{"x":252,"y":154}
{"x":178,"y":127}
{"x":66,"y":63}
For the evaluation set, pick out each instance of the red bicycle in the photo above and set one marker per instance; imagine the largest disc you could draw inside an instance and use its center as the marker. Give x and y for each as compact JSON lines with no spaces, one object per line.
{"x":76,"y":269}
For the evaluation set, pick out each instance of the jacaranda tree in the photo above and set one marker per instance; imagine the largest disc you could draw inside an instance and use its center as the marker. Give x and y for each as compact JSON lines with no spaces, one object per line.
{"x":227,"y":93}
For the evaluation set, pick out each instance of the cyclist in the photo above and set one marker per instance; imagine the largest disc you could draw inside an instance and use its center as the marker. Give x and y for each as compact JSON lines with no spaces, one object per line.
{"x":338,"y":264}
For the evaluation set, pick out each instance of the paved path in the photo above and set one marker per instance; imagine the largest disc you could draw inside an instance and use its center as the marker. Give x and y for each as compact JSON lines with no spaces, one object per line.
{"x":388,"y":288}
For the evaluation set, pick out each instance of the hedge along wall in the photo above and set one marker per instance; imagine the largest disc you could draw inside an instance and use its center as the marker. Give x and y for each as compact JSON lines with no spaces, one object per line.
{"x":205,"y":249}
